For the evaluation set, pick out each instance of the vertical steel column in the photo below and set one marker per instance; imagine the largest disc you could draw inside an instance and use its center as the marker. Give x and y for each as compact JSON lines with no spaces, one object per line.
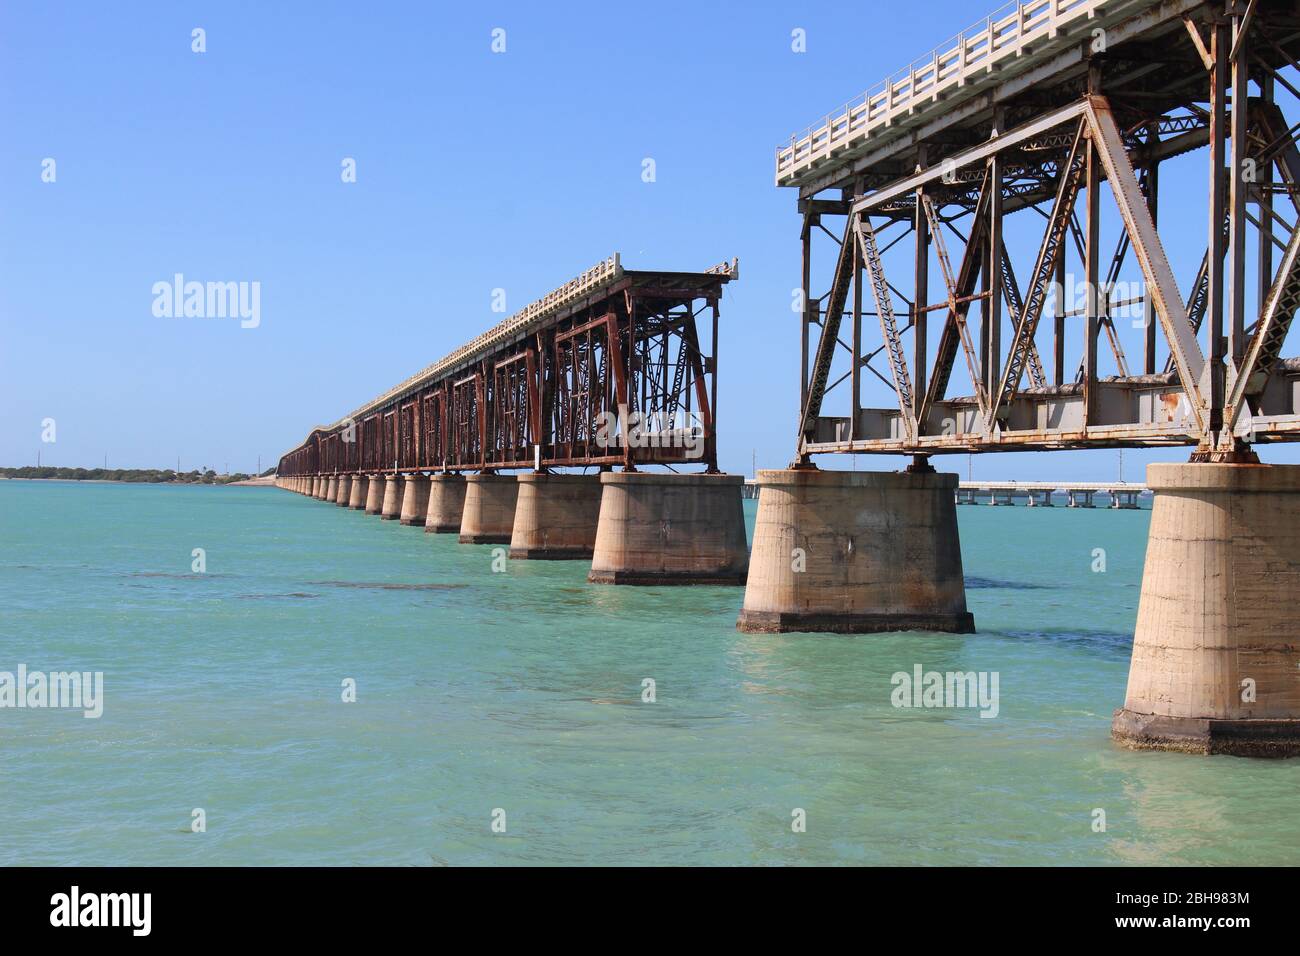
{"x":921,"y":301}
{"x":806,"y":296}
{"x":992,"y":358}
{"x":1092,"y":268}
{"x":1092,"y":261}
{"x":713,"y":392}
{"x":1219,"y":48}
{"x":855,"y":379}
{"x":1264,"y":196}
{"x":1058,"y":326}
{"x":1148,"y":302}
{"x":1237,"y":200}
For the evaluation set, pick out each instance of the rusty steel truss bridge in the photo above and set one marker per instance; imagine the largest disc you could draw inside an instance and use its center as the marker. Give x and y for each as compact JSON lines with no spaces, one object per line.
{"x":953,"y":200}
{"x":609,"y":369}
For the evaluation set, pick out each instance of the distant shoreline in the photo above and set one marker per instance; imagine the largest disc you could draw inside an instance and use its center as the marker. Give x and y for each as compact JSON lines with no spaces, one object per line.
{"x":246,"y":483}
{"x":134,"y":476}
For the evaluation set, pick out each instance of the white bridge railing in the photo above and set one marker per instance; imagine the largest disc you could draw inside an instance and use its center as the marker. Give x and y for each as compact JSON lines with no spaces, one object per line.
{"x":971,"y":53}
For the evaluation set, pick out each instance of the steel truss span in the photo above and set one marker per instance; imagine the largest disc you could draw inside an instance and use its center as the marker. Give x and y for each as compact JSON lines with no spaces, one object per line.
{"x":960,"y":206}
{"x":609,"y":369}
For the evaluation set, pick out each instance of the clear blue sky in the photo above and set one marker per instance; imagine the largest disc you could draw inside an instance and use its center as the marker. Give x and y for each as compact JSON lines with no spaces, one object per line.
{"x":475,"y":171}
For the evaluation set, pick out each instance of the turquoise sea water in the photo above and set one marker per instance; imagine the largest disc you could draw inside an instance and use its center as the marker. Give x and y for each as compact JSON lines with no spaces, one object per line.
{"x":522,"y":691}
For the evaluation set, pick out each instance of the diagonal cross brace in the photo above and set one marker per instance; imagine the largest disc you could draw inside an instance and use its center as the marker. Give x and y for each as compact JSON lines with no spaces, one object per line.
{"x":1037,"y":377}
{"x":956,"y":309}
{"x":888,"y":323}
{"x":821,"y":369}
{"x":1188,"y":358}
{"x":1067,"y":192}
{"x":1270,"y":332}
{"x":955,"y":333}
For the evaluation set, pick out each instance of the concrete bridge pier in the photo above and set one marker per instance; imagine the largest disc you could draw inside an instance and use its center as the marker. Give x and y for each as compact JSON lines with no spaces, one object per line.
{"x":391,"y":509}
{"x":1001,"y":497}
{"x":446,"y":504}
{"x":415,"y":500}
{"x":1127,"y":500}
{"x":344,"y":492}
{"x":1040,"y":499}
{"x":856,"y":552}
{"x":357,"y":497}
{"x":375,"y":486}
{"x":332,"y":489}
{"x":966,"y":496}
{"x":1216,"y":651}
{"x":489,"y":515}
{"x":315,"y":487}
{"x":1080,"y":499}
{"x":659,"y":528}
{"x":556,"y":517}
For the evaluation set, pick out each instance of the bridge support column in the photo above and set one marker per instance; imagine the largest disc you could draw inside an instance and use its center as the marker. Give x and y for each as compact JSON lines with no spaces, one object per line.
{"x":375,"y":486}
{"x":415,"y":500}
{"x":391,"y":509}
{"x":446,"y":504}
{"x":1123,"y":499}
{"x":489,"y":514}
{"x":670,"y":529}
{"x":315,"y":487}
{"x":331,"y":488}
{"x":556,"y":516}
{"x":1081,"y":499}
{"x":1216,"y":650}
{"x":855,"y":553}
{"x":344,"y":492}
{"x":357,"y":497}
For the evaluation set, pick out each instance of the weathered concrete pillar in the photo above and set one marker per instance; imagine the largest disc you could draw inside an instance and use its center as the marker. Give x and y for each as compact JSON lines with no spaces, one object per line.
{"x":670,"y":529}
{"x":556,"y":516}
{"x":357,"y":497}
{"x":315,"y":486}
{"x":392,"y":506}
{"x":855,"y":553}
{"x":489,"y":514}
{"x":331,"y":488}
{"x":375,"y":494}
{"x":415,"y":500}
{"x":1216,"y":650}
{"x":345,"y":490}
{"x":446,"y":504}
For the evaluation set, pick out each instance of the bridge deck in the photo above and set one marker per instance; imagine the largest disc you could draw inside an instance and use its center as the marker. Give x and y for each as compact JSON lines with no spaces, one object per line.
{"x":1010,"y":43}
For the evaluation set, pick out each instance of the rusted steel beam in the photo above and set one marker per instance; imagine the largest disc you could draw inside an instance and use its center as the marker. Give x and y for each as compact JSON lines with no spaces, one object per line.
{"x":534,"y":391}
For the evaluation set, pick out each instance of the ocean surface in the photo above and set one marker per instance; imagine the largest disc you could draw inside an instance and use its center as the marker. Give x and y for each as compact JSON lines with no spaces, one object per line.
{"x":517,"y":697}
